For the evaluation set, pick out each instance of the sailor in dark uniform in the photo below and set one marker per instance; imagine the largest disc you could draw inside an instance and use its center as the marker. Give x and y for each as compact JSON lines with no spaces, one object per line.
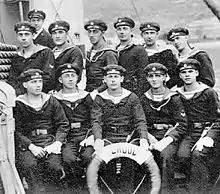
{"x":179,"y":37}
{"x":116,"y":113}
{"x":41,"y":37}
{"x":159,"y":52}
{"x":64,"y":52}
{"x":132,"y":57}
{"x":77,"y":105}
{"x":200,"y":147}
{"x":166,"y":120}
{"x":40,"y":130}
{"x":30,"y":55}
{"x":99,"y":56}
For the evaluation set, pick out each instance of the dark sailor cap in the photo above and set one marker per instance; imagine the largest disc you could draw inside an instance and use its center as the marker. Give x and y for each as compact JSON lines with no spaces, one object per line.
{"x":96,"y":24}
{"x":155,"y":67}
{"x":188,"y":64}
{"x":66,"y":68}
{"x":149,"y":26}
{"x":24,"y":26}
{"x":31,"y":74}
{"x":124,"y":21}
{"x":59,"y":25}
{"x":177,"y":32}
{"x":114,"y":69}
{"x":36,"y":14}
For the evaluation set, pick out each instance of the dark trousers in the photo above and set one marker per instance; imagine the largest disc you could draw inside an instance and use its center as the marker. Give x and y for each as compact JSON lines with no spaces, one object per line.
{"x":166,"y":160}
{"x":32,"y":167}
{"x":72,"y":155}
{"x":196,"y":165}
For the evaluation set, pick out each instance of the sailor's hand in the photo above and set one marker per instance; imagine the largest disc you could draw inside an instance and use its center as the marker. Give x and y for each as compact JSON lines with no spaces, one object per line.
{"x":144,"y":144}
{"x":205,"y":141}
{"x":98,"y":145}
{"x":37,"y":151}
{"x":151,"y":139}
{"x":54,"y":148}
{"x":162,"y":144}
{"x":88,"y":141}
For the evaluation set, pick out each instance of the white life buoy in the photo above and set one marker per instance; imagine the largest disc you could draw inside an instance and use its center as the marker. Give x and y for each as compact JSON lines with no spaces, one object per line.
{"x":127,"y":150}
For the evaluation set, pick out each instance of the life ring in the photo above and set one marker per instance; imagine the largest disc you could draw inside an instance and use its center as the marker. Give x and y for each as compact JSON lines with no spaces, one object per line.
{"x":127,"y":150}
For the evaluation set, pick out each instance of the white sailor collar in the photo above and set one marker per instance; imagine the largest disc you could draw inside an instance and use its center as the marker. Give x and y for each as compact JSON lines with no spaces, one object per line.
{"x":105,"y":95}
{"x":38,"y":48}
{"x":23,"y":98}
{"x":55,"y":49}
{"x":37,"y":34}
{"x":81,"y":94}
{"x":202,"y":88}
{"x":125,"y":47}
{"x":167,"y":94}
{"x":159,"y":48}
{"x":99,"y":53}
{"x":193,"y":52}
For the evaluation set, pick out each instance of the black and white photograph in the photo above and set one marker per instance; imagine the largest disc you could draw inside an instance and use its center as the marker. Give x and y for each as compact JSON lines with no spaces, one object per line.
{"x":109,"y":97}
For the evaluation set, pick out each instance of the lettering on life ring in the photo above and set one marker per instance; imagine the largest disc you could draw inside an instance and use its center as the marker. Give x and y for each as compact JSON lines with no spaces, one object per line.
{"x":116,"y":150}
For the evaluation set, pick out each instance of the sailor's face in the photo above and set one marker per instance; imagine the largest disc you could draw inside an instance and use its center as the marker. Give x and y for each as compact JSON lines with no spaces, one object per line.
{"x":25,"y":38}
{"x":189,"y":76}
{"x":180,"y":42}
{"x":113,"y":80}
{"x":95,"y":35}
{"x":34,"y":86}
{"x":124,"y":33}
{"x":69,"y":80}
{"x":156,"y":79}
{"x":150,"y":37}
{"x":59,"y":37}
{"x":37,"y":22}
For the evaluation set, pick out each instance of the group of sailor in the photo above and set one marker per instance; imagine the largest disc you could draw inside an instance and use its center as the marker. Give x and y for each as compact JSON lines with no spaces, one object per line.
{"x":147,"y":91}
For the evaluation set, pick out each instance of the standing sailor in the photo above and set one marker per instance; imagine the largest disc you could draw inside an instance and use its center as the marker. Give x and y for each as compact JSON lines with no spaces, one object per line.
{"x":131,"y":56}
{"x":158,"y":52}
{"x":30,"y":55}
{"x":41,"y":37}
{"x":99,"y":56}
{"x":180,"y":39}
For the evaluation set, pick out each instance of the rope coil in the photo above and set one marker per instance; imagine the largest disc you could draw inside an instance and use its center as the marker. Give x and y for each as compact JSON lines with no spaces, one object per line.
{"x":5,"y":61}
{"x":4,"y":68}
{"x":7,"y":54}
{"x":7,"y":47}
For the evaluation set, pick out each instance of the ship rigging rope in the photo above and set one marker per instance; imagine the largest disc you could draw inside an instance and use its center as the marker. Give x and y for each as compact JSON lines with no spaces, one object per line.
{"x":135,"y":10}
{"x":1,"y":36}
{"x":57,"y":15}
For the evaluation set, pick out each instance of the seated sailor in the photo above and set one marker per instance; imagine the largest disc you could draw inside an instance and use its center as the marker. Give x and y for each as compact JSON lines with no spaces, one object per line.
{"x":166,"y":121}
{"x":117,"y":114}
{"x":77,"y":105}
{"x":40,"y":130}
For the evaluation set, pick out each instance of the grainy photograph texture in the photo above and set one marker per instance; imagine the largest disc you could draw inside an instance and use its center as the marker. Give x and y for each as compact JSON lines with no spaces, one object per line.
{"x":109,"y":97}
